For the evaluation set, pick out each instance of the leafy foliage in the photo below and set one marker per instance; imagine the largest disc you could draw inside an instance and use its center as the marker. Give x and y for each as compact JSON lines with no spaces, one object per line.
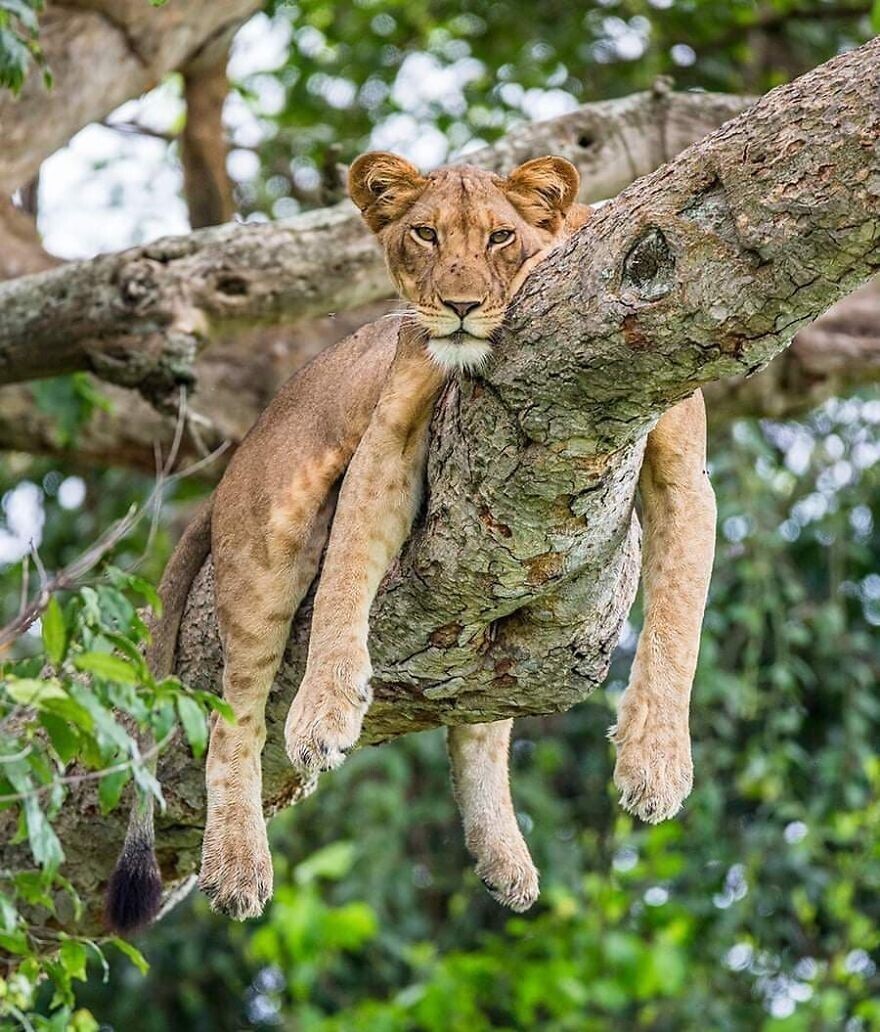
{"x":436,"y":77}
{"x":19,"y":46}
{"x":63,"y":721}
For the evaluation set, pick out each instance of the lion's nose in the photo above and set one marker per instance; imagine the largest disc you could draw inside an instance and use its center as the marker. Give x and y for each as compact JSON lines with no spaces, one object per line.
{"x":461,"y":308}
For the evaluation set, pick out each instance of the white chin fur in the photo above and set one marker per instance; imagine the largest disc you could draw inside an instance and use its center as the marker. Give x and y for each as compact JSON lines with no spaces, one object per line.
{"x":459,"y":352}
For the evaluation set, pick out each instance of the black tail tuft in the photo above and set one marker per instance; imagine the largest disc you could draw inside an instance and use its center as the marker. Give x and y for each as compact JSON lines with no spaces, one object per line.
{"x":135,"y":890}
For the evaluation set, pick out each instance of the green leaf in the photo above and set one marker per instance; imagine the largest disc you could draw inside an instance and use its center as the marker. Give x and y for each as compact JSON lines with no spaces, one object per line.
{"x":875,"y":16}
{"x":131,"y":650}
{"x":146,"y":591}
{"x":333,"y":861}
{"x":32,"y":691}
{"x":73,"y":956}
{"x":132,"y":952}
{"x":45,"y":847}
{"x":70,"y":710}
{"x":110,"y":668}
{"x":54,"y":631}
{"x":65,"y":739}
{"x":110,"y":789}
{"x":194,"y":724}
{"x":218,"y":705}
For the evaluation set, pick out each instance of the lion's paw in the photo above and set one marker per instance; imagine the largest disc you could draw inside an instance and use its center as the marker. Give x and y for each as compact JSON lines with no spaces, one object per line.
{"x":236,"y":873}
{"x":509,"y":876}
{"x":654,"y":771}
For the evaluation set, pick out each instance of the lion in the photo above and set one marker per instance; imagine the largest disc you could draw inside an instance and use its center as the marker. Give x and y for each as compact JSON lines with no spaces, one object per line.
{"x":458,"y":242}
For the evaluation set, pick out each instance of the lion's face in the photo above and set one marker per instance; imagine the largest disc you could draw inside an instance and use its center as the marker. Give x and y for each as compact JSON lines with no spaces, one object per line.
{"x":456,"y":240}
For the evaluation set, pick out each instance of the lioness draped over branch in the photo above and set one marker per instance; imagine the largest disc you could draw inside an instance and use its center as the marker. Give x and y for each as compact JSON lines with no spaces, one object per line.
{"x":458,"y":242}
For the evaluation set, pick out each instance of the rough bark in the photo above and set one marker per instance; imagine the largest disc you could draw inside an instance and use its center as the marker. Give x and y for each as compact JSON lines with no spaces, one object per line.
{"x":509,"y":596}
{"x":142,"y":317}
{"x":101,"y":52}
{"x":836,"y":355}
{"x":21,"y":252}
{"x":235,"y":385}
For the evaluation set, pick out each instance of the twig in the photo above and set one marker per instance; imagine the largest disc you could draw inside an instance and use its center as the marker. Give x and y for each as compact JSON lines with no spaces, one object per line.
{"x":25,"y":582}
{"x":92,"y":775}
{"x":136,"y":129}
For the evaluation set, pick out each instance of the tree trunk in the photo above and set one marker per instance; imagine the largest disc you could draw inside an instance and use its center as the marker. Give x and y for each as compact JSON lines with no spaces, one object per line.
{"x":509,"y":597}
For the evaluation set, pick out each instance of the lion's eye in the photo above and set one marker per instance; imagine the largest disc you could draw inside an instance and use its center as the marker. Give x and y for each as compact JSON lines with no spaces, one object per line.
{"x":426,"y":233}
{"x":501,"y":236}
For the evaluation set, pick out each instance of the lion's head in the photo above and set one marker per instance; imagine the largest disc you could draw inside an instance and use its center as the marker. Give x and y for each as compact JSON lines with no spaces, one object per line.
{"x":457,"y":239}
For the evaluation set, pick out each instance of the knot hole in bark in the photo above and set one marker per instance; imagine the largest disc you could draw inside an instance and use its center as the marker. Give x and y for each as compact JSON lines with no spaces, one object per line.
{"x":649,"y":267}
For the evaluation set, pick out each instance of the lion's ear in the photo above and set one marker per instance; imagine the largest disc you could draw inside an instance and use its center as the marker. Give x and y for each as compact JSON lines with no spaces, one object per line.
{"x":383,"y":186}
{"x":543,"y":190}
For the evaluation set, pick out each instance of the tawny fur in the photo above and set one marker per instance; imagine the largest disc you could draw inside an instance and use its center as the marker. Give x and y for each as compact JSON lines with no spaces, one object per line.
{"x":362,"y":410}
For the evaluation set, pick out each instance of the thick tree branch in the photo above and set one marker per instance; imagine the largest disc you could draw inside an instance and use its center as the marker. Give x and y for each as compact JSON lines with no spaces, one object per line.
{"x":836,"y":355}
{"x":141,"y":317}
{"x":101,"y":52}
{"x":510,"y":595}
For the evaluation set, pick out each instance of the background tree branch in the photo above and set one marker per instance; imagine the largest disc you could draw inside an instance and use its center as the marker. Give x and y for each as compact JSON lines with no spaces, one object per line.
{"x":207,"y":187}
{"x":102,"y":52}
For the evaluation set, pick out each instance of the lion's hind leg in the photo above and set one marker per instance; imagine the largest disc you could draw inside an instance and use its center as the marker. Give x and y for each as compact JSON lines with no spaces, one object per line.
{"x":256,"y":603}
{"x":478,"y":755}
{"x":654,"y":771}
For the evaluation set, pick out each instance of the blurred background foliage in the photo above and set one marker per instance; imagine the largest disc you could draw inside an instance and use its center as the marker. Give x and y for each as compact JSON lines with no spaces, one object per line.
{"x":758,"y":908}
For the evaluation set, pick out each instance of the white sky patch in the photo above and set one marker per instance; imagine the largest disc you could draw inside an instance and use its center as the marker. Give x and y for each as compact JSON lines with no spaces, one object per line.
{"x":538,"y":104}
{"x":420,"y":142}
{"x":423,"y":81}
{"x":71,"y":492}
{"x":242,"y":165}
{"x":24,"y":517}
{"x":260,"y":45}
{"x":106,"y":191}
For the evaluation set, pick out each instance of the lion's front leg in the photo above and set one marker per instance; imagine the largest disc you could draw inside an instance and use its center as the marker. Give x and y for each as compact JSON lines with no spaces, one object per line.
{"x":654,"y":771}
{"x":377,"y":504}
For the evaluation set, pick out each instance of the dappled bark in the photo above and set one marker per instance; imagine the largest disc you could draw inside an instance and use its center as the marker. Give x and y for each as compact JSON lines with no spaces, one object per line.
{"x":837,"y":354}
{"x":509,"y":597}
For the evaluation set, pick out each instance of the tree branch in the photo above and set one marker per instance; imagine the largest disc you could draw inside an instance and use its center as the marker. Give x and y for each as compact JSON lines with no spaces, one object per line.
{"x":126,"y":46}
{"x":206,"y":183}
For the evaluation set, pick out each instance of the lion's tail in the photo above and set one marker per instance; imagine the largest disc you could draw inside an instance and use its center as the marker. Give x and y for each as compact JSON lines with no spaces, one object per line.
{"x":134,"y":893}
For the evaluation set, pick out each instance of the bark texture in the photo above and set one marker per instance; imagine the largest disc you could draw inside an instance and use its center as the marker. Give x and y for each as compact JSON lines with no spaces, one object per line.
{"x":206,"y":183}
{"x":20,"y":249}
{"x":510,"y":595}
{"x":834,"y":356}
